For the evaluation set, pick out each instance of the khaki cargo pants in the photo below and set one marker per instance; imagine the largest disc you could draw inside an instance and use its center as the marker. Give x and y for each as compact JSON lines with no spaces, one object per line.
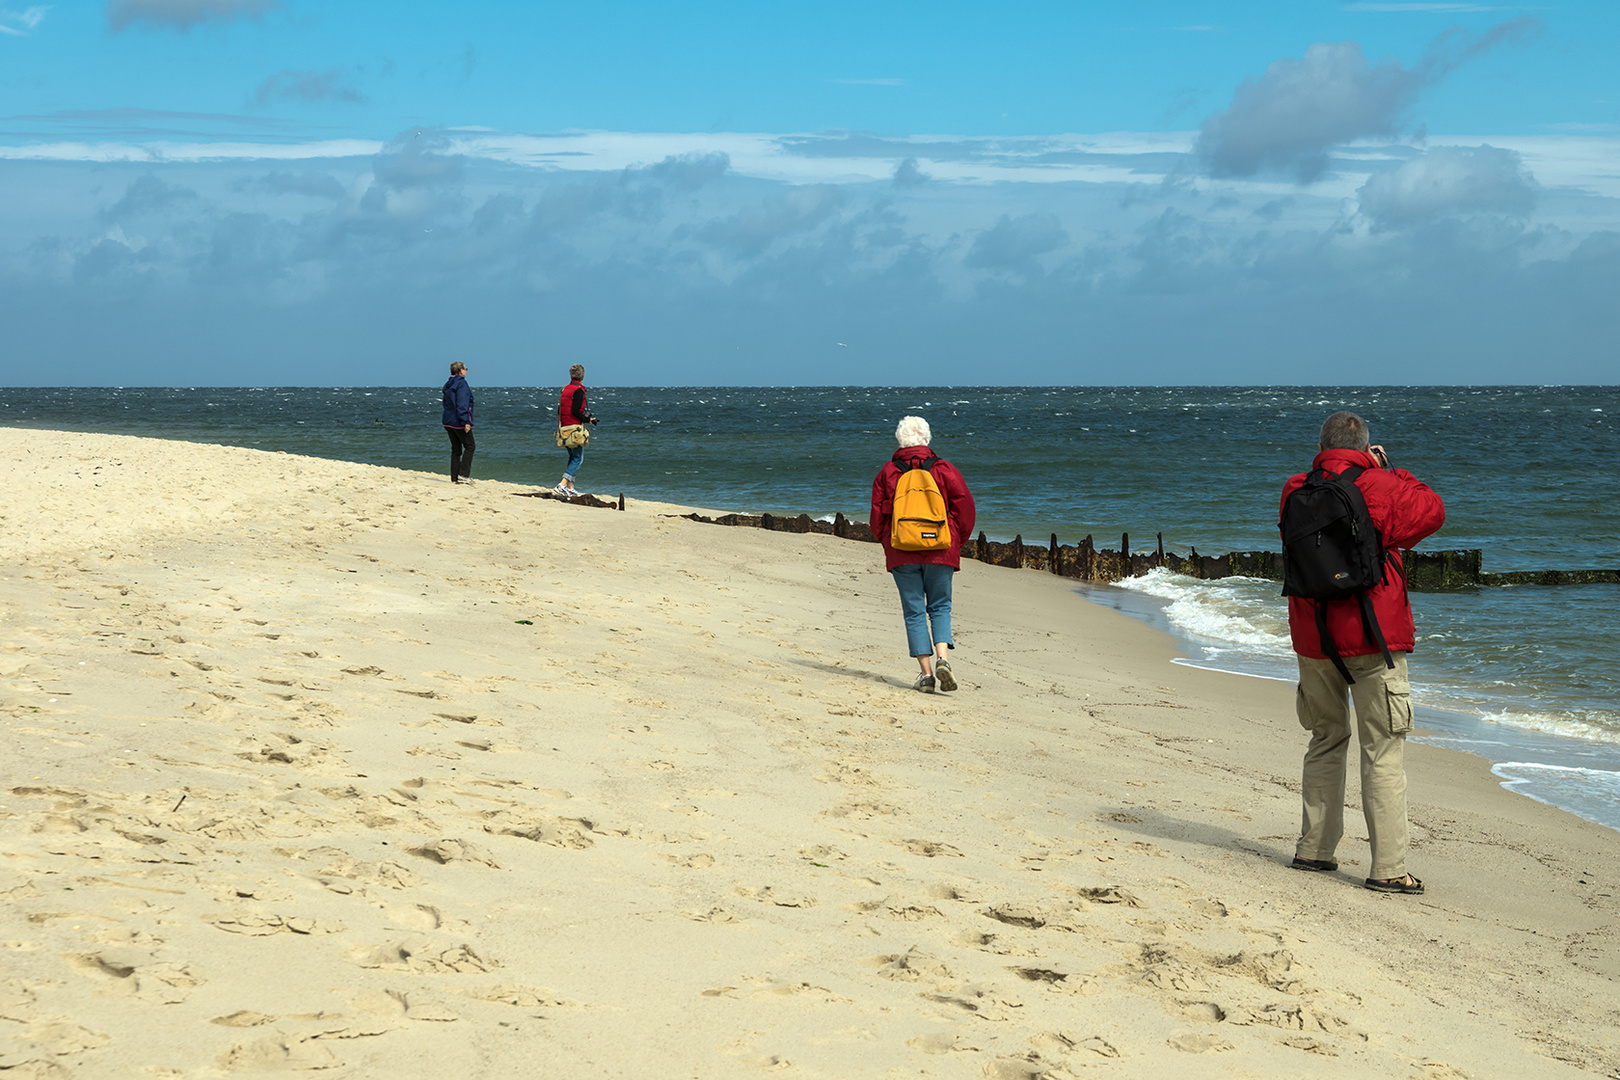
{"x":1383,"y":712}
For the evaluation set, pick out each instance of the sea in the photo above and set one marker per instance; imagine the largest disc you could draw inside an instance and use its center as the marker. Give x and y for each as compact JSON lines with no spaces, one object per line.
{"x":1525,"y":676}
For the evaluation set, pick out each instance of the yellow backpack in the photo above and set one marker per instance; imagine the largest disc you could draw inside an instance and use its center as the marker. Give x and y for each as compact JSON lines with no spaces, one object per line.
{"x":918,"y":522}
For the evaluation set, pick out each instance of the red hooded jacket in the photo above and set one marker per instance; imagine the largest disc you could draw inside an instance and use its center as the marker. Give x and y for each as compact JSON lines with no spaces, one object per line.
{"x":959,"y":509}
{"x":1404,"y":510}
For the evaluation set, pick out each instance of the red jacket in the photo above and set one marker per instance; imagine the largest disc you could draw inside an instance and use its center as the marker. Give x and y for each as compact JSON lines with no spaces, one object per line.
{"x":959,"y":510}
{"x":1404,"y":510}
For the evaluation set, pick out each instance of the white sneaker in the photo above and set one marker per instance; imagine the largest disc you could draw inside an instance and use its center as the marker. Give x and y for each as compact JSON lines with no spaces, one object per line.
{"x":942,"y":675}
{"x":924,"y":683}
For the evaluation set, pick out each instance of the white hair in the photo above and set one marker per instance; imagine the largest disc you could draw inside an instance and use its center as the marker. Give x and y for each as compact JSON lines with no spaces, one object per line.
{"x":913,"y":431}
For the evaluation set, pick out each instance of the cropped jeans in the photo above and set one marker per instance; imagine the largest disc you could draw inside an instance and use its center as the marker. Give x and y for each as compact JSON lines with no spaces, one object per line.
{"x":925,"y":601}
{"x":576,"y":455}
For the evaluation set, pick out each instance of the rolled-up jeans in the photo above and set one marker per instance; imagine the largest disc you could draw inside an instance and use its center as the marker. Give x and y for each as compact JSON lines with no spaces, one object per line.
{"x":925,"y":601}
{"x":576,"y":455}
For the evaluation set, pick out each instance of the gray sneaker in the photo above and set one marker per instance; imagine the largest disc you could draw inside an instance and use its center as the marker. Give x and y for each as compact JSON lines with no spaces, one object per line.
{"x":942,"y":675}
{"x":925,"y":683}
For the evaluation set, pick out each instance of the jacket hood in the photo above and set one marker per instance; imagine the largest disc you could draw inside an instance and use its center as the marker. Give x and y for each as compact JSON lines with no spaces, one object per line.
{"x":1336,"y":461}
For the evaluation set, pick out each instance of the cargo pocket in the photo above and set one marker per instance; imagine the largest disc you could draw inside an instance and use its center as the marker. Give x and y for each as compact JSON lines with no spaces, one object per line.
{"x":1398,"y":703}
{"x":1301,"y":710}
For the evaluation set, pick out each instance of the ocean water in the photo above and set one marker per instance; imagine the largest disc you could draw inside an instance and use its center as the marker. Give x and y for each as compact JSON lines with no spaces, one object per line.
{"x":1525,"y":676}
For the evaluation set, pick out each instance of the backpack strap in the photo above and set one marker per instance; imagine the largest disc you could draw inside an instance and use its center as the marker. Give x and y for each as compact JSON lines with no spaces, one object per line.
{"x":1329,"y":646}
{"x":1369,"y":623}
{"x":1369,"y":619}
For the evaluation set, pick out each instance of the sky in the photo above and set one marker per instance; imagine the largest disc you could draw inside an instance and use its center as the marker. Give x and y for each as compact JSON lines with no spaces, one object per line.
{"x":302,"y":192}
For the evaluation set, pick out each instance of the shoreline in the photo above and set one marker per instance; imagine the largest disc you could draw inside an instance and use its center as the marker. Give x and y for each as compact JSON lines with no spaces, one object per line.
{"x":323,"y":765}
{"x":1518,"y":750}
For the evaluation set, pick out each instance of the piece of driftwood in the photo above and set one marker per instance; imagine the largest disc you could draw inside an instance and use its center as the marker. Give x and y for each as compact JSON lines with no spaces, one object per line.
{"x":1426,"y":571}
{"x":581,"y":499}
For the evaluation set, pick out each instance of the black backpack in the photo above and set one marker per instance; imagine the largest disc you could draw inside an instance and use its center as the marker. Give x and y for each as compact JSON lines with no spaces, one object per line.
{"x":1332,"y":551}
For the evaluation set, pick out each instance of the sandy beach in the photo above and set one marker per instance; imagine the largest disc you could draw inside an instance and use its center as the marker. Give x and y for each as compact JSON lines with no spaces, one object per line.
{"x":315,"y":766}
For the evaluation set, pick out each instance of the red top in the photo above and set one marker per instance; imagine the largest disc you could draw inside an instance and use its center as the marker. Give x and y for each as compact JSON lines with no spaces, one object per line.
{"x":959,"y":509}
{"x":1404,"y":510}
{"x":571,"y":404}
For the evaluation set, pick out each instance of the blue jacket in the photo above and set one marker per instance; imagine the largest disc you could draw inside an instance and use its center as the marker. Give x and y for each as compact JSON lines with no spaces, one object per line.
{"x":458,"y":402}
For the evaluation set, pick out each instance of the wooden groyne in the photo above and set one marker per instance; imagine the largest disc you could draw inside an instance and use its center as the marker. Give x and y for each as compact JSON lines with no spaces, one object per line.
{"x":1426,"y":571}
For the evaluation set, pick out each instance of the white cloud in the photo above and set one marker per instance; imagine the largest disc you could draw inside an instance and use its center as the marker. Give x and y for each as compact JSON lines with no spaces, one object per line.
{"x":1449,"y":181}
{"x":22,"y":23}
{"x":189,"y":152}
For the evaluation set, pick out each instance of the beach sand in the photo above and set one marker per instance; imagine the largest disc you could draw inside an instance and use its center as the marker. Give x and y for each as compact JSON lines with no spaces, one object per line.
{"x":314,"y":766}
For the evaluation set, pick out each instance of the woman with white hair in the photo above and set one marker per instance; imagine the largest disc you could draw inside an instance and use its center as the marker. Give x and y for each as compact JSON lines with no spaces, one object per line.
{"x":922,"y":512}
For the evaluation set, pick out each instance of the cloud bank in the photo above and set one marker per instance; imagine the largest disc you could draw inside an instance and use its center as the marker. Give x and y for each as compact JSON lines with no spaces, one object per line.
{"x":746,"y":258}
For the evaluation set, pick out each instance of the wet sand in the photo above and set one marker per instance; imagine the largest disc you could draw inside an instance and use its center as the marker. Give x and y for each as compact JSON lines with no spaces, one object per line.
{"x":320,"y":766}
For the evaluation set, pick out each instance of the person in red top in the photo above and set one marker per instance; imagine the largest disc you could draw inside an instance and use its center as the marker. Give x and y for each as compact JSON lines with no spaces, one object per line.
{"x":571,"y":410}
{"x":1404,"y":510}
{"x":924,"y":577}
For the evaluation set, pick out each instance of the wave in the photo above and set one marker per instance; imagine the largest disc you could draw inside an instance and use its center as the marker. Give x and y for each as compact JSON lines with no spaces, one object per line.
{"x":1600,"y":727}
{"x":1593,"y":794}
{"x":1230,"y":611}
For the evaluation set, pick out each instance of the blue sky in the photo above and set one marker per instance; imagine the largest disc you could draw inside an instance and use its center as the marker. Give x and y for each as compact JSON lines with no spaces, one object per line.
{"x":280,"y":192}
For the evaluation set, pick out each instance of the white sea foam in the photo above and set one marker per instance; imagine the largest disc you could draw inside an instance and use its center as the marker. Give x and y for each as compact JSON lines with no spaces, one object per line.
{"x":1236,"y":611}
{"x":1594,"y":727}
{"x":1594,"y":794}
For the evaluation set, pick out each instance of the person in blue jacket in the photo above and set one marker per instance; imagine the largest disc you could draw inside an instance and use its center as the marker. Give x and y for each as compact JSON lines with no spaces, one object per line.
{"x":458,"y":422}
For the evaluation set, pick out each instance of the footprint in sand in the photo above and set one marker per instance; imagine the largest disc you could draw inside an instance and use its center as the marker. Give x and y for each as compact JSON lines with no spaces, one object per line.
{"x":136,"y":973}
{"x":32,"y":1051}
{"x":418,"y":917}
{"x":913,"y":965}
{"x":450,"y":850}
{"x":279,"y":1052}
{"x":421,"y":955}
{"x":1199,"y":1044}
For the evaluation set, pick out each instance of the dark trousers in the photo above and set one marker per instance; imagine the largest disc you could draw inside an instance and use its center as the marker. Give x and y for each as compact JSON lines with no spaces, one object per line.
{"x":461,"y":452}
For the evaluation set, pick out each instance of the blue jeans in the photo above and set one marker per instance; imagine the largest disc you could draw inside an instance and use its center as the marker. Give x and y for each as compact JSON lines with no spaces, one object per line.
{"x":576,"y":454}
{"x":925,"y":601}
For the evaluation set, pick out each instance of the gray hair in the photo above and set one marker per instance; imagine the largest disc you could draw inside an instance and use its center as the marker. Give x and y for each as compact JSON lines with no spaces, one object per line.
{"x":913,"y":431}
{"x":577,"y":371}
{"x":1344,"y":431}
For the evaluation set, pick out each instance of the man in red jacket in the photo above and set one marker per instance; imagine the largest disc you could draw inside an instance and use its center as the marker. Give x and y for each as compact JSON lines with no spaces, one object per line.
{"x":1404,"y":510}
{"x":924,"y":577}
